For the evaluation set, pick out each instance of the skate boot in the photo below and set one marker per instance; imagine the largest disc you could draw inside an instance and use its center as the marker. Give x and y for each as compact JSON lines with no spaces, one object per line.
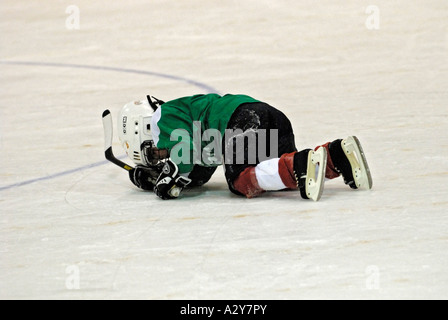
{"x":349,"y":160}
{"x":309,"y":170}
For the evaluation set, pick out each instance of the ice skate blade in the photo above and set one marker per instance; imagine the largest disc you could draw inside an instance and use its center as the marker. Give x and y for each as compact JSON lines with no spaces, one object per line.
{"x":315,"y":185}
{"x":356,"y":157}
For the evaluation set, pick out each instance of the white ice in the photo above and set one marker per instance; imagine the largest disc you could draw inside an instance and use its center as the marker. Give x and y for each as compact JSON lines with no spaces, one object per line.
{"x":72,"y":225}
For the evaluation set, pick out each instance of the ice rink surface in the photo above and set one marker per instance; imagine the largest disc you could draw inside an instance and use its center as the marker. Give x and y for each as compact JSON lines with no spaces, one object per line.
{"x":73,"y":226}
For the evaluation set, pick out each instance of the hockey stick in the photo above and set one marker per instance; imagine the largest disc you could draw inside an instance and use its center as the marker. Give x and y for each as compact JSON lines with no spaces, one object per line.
{"x":108,"y":135}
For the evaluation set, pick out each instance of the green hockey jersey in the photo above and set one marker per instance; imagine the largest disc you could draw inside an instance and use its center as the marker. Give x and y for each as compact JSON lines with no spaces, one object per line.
{"x":189,"y":128}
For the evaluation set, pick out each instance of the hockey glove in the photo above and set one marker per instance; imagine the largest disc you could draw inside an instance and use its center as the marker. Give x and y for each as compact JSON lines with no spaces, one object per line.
{"x":170,"y":184}
{"x":145,"y":177}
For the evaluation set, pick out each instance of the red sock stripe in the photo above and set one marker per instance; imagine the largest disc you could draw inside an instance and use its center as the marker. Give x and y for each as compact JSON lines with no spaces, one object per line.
{"x":330,"y":172}
{"x":286,"y":170}
{"x":247,"y":183}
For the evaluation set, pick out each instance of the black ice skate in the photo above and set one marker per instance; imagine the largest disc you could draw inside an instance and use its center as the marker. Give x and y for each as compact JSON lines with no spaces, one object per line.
{"x":349,"y":160}
{"x":309,"y":169}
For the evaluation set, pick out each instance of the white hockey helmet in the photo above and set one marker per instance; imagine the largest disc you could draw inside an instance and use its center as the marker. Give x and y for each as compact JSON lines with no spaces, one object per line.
{"x":134,"y":129}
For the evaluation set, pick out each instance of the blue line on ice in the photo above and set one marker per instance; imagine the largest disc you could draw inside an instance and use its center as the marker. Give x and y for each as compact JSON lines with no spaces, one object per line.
{"x":195,"y":83}
{"x":55,"y":175}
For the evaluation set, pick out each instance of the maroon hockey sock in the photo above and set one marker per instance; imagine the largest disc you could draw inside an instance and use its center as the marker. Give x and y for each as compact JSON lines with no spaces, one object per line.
{"x":286,"y":170}
{"x":330,"y":172}
{"x":247,"y":183}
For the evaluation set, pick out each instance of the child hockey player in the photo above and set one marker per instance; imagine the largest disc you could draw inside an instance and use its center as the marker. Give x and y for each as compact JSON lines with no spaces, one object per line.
{"x":181,"y":142}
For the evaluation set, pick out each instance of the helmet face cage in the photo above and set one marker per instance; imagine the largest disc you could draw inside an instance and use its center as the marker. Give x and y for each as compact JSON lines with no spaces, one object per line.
{"x":151,"y":154}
